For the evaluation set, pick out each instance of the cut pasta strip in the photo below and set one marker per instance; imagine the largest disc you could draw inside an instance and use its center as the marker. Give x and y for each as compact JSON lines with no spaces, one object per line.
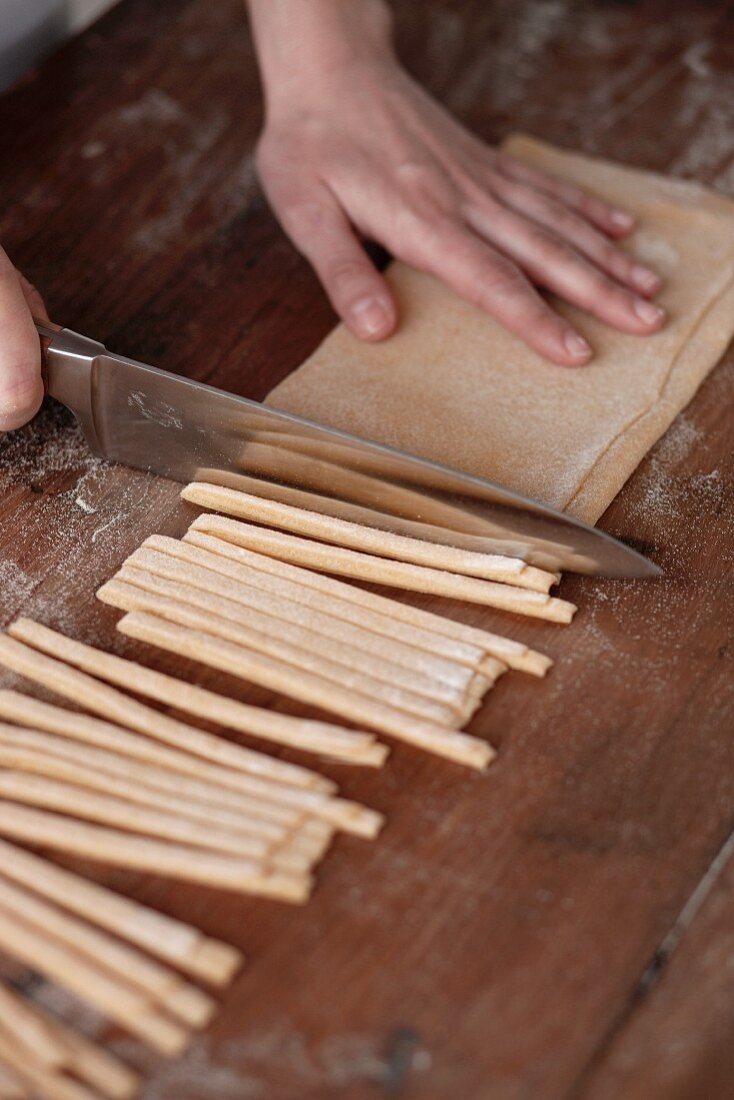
{"x":81,"y":689}
{"x":190,"y":1005}
{"x":19,"y":1019}
{"x":164,"y":937}
{"x":373,"y":540}
{"x":341,"y":652}
{"x":47,"y":754}
{"x":294,"y":603}
{"x":424,"y":629}
{"x":278,"y":801}
{"x":89,"y":1062}
{"x":295,"y":660}
{"x":142,"y":854}
{"x":70,"y":797}
{"x":228,"y":658}
{"x":116,"y":999}
{"x":397,"y":574}
{"x":36,"y":1080}
{"x":106,"y":701}
{"x":280,"y":728}
{"x":212,"y":783}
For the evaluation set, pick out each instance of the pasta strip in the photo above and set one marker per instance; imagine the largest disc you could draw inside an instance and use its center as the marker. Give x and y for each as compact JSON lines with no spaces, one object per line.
{"x":28,"y":1030}
{"x":341,"y":532}
{"x":41,"y":1082}
{"x":294,"y":659}
{"x":209,"y":782}
{"x":163,"y":936}
{"x":228,"y":658}
{"x":283,"y":729}
{"x":142,"y":854}
{"x":32,"y":750}
{"x":90,"y":1062}
{"x":68,"y":796}
{"x":366,"y":567}
{"x":341,"y":651}
{"x":128,"y":712}
{"x":424,"y":629}
{"x":118,"y":1000}
{"x":296,"y":603}
{"x":190,"y":1005}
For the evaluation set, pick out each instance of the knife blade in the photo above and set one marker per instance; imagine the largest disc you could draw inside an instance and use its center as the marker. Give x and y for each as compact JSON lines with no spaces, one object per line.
{"x":144,"y":417}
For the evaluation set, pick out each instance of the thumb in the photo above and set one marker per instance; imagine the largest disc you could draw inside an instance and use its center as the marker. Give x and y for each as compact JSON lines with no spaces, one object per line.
{"x":21,"y":387}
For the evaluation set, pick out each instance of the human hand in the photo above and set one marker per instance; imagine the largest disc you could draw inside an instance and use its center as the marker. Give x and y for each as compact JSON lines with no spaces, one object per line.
{"x":352,"y":148}
{"x":21,"y":387}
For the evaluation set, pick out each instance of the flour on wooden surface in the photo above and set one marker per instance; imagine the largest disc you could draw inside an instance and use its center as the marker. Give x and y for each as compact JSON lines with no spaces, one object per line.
{"x":262,"y":1062}
{"x":707,"y":110}
{"x":77,"y":517}
{"x":73,"y":1011}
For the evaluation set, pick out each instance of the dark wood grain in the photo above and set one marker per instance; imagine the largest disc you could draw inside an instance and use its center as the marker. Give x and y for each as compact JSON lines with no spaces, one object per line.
{"x":491,"y":944}
{"x":677,"y":1042}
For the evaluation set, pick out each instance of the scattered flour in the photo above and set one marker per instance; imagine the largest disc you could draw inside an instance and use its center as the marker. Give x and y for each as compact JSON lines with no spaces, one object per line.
{"x":706,"y":116}
{"x":68,"y":501}
{"x":695,"y":58}
{"x":71,"y":1010}
{"x":262,"y":1064}
{"x":15,"y":585}
{"x":661,"y":482}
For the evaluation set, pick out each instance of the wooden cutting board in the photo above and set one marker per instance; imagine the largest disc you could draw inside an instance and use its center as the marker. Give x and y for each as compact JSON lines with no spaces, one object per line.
{"x":500,"y":939}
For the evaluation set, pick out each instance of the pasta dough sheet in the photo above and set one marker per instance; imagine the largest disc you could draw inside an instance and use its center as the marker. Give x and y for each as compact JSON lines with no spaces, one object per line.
{"x":452,"y":385}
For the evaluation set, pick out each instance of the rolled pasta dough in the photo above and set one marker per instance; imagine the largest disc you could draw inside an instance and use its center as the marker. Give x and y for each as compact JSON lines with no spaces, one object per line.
{"x":452,"y":385}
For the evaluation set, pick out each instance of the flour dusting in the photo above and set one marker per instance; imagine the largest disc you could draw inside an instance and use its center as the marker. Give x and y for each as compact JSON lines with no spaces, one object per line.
{"x":76,"y":518}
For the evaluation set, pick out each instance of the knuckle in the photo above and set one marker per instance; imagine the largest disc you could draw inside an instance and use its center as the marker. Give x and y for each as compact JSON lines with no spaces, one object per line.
{"x":617,"y":262}
{"x":415,"y":175}
{"x":600,"y":288}
{"x":562,"y":218}
{"x":554,"y":250}
{"x":304,"y":217}
{"x":345,"y":272}
{"x":573,"y":196}
{"x":417,"y":238}
{"x":425,"y":187}
{"x":500,"y":279}
{"x":592,"y":209}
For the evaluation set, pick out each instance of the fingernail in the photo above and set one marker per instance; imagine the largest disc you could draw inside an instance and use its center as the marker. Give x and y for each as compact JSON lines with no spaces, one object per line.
{"x":644,"y":278}
{"x":622,"y":219}
{"x":576,"y":346}
{"x":648,"y":312}
{"x":369,"y":317}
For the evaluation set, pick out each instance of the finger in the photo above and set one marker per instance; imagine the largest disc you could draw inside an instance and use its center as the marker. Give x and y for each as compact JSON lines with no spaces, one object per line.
{"x":615,"y":221}
{"x":21,"y":388}
{"x":485,"y":277}
{"x":359,"y":294}
{"x":555,"y":265}
{"x":32,"y":296}
{"x":560,"y":219}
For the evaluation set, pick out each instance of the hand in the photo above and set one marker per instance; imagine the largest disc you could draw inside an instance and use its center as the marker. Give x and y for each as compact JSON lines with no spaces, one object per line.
{"x":21,"y":388}
{"x":352,"y":148}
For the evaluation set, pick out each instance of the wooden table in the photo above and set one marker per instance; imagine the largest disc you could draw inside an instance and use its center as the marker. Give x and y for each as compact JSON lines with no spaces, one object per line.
{"x":562,"y":926}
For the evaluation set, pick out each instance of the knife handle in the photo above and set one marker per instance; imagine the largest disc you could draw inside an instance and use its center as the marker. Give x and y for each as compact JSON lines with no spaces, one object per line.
{"x":67,"y":367}
{"x":46,"y":331}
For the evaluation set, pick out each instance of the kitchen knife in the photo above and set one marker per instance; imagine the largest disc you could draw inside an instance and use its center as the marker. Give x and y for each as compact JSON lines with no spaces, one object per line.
{"x":153,"y":420}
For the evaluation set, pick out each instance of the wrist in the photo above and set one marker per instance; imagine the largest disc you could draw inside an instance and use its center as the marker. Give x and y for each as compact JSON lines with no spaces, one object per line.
{"x":302,"y":44}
